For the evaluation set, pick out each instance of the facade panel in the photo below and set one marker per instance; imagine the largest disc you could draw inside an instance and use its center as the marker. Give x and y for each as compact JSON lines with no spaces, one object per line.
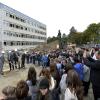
{"x":19,"y":31}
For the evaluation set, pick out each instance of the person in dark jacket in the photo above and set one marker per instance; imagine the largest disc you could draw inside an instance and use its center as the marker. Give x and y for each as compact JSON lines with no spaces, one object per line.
{"x":15,"y":59}
{"x":1,"y":63}
{"x":94,"y":73}
{"x":39,"y":56}
{"x":23,"y":60}
{"x":10,"y":60}
{"x":44,"y":92}
{"x":27,"y":57}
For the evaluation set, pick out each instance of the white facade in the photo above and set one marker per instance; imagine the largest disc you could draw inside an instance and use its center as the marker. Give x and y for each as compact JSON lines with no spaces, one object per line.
{"x":19,"y":31}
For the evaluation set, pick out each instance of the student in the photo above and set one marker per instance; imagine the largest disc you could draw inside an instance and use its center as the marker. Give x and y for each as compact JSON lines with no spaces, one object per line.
{"x":9,"y":93}
{"x":22,"y":90}
{"x":32,"y":82}
{"x":63,"y":84}
{"x":74,"y":90}
{"x":46,"y":73}
{"x":53,"y":71}
{"x":79,"y":68}
{"x":44,"y":92}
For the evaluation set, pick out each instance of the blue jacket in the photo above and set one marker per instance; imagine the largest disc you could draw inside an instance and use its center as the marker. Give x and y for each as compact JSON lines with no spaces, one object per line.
{"x":79,"y":69}
{"x":44,"y":58}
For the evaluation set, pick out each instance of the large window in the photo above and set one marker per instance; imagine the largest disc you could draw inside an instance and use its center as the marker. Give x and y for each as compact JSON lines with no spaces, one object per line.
{"x":11,"y":43}
{"x":11,"y":25}
{"x":15,"y":17}
{"x":5,"y":43}
{"x":20,"y":43}
{"x":22,"y":35}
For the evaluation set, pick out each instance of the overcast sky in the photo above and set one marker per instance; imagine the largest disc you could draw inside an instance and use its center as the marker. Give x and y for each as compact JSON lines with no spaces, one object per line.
{"x":59,"y":14}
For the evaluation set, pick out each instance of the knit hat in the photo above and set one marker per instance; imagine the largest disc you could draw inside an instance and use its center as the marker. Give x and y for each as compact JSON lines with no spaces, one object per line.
{"x":44,"y":83}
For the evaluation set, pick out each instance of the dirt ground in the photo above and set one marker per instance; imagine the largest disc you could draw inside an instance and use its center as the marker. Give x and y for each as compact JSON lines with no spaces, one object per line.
{"x":12,"y":77}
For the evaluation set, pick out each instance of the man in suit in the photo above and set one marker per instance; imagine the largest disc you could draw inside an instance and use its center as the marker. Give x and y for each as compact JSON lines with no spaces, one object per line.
{"x":94,"y":65}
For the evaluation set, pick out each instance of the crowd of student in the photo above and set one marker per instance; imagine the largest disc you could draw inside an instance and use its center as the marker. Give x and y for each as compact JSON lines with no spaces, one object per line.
{"x":65,"y":75}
